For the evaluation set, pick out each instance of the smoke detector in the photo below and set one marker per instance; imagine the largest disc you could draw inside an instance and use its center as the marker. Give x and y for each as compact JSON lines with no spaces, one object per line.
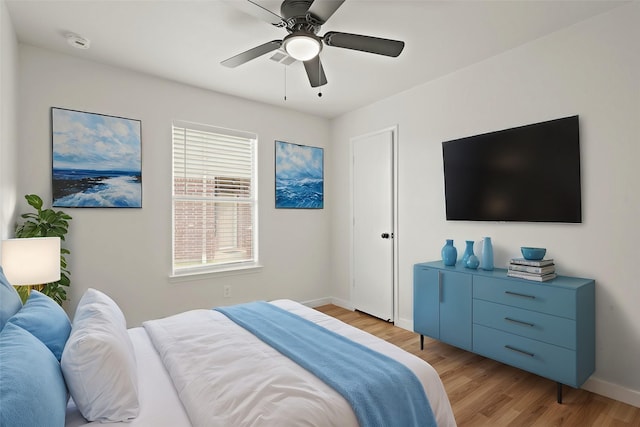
{"x":77,"y":41}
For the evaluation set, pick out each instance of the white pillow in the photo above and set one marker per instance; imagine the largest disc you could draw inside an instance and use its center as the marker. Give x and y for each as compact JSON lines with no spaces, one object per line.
{"x":98,"y":361}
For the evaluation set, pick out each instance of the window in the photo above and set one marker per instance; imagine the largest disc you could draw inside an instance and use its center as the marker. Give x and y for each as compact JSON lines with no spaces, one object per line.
{"x":214,"y":199}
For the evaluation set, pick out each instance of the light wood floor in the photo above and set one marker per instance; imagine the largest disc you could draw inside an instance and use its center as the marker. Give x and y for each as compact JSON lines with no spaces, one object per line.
{"x":488,"y":393}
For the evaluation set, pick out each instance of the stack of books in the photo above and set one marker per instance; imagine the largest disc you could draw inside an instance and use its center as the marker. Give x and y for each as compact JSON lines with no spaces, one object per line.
{"x":539,"y":271}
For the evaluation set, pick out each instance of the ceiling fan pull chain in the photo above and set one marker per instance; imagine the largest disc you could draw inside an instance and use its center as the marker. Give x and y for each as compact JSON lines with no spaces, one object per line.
{"x":285,"y":83}
{"x":319,"y":78}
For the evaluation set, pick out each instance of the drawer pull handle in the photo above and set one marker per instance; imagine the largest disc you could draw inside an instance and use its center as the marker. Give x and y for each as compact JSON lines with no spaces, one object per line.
{"x":508,"y":347}
{"x":519,"y":295}
{"x":519,"y":322}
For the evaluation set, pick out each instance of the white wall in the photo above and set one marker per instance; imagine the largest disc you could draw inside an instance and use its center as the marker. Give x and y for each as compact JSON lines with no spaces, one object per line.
{"x":127,"y":252}
{"x":591,"y":69}
{"x":8,"y":126}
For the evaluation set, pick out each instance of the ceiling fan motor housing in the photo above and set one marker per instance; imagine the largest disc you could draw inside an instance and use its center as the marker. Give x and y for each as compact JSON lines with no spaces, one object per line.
{"x":292,"y":8}
{"x":297,"y":17}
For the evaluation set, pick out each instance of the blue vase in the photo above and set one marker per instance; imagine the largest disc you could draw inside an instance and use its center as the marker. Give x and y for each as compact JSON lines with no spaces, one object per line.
{"x":473,"y":262}
{"x":449,"y":253}
{"x":487,"y":254}
{"x":467,"y":252}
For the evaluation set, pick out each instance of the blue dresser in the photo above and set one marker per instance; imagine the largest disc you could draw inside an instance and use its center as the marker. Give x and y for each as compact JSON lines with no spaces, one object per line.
{"x":545,"y":328}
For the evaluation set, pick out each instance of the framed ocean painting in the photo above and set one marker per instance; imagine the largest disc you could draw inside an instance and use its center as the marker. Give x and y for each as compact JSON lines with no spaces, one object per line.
{"x":96,"y":160}
{"x":299,"y":176}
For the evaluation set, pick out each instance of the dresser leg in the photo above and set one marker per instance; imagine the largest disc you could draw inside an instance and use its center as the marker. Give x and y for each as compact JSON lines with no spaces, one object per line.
{"x":559,"y":392}
{"x":421,"y":342}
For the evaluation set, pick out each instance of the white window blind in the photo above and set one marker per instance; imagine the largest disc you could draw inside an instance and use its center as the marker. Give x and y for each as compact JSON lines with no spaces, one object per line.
{"x":214,"y":199}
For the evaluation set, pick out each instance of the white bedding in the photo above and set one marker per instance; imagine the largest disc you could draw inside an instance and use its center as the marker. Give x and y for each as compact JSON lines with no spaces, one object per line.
{"x":231,"y":378}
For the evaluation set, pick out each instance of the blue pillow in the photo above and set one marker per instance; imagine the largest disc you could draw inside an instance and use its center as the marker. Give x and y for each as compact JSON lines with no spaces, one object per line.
{"x":33,"y":391}
{"x":10,"y":301}
{"x":46,"y":320}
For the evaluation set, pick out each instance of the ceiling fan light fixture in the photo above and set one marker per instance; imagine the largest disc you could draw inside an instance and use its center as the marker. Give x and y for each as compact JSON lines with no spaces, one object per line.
{"x":302,"y":46}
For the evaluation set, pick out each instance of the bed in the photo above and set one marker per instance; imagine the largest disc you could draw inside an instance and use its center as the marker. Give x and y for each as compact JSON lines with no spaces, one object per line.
{"x":124,"y":379}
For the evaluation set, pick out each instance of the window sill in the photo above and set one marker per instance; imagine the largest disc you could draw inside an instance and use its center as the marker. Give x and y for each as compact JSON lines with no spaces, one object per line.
{"x":222,"y":272}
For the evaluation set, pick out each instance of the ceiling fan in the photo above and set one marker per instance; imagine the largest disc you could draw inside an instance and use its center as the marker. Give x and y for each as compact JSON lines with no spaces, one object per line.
{"x":302,"y":19}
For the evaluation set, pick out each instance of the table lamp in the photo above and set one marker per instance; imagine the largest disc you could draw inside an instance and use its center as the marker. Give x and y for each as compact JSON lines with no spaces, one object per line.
{"x":31,"y":261}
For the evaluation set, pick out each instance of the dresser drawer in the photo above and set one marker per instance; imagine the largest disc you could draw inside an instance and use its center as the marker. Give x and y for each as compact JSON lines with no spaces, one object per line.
{"x":527,"y":295}
{"x":546,"y":360}
{"x":531,"y":324}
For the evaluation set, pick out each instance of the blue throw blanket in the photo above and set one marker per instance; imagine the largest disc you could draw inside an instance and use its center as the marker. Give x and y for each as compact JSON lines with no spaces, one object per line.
{"x":381,"y":391}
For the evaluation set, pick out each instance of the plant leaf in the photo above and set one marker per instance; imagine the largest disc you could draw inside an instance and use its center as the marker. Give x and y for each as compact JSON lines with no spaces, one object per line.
{"x":47,"y":223}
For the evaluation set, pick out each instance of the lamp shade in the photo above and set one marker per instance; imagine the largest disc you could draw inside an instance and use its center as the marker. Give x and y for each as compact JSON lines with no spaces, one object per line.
{"x":31,"y":261}
{"x":302,"y":46}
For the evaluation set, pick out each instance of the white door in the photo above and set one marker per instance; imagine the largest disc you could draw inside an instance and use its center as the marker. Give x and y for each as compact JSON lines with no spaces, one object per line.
{"x":373,"y":247}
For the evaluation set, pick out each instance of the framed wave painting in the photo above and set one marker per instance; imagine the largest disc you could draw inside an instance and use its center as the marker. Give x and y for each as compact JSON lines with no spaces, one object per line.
{"x":299,"y":176}
{"x":96,"y":160}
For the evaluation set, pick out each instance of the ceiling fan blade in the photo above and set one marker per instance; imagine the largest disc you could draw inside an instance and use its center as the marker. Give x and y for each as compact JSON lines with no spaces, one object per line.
{"x":323,"y":9}
{"x":364,"y":43}
{"x":254,"y":9}
{"x":315,"y":72}
{"x":250,"y":54}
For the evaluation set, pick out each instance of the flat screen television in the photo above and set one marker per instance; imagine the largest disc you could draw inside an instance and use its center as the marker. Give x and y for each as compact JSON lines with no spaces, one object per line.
{"x":528,"y":174}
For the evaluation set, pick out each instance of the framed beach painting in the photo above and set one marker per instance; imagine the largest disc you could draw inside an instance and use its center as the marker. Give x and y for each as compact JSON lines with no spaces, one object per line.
{"x":96,"y":160}
{"x":299,"y":176}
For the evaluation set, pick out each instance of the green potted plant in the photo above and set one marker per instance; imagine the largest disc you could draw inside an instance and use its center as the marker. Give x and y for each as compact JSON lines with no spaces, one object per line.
{"x":46,"y":223}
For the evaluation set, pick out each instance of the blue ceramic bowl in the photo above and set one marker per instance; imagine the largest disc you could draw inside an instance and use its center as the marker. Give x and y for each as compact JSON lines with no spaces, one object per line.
{"x":533,"y":253}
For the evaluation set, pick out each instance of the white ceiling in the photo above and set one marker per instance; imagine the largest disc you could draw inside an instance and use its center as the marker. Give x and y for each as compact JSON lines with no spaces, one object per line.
{"x":185,"y":40}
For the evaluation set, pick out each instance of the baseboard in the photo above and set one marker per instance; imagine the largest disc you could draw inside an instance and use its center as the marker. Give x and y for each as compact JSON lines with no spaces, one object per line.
{"x":402,"y":323}
{"x":405,"y":324}
{"x":316,"y":302}
{"x":324,"y":301}
{"x":613,"y":391}
{"x":342,"y":303}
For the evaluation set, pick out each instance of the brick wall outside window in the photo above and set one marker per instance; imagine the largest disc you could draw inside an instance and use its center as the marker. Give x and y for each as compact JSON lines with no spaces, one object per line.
{"x":206,"y":231}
